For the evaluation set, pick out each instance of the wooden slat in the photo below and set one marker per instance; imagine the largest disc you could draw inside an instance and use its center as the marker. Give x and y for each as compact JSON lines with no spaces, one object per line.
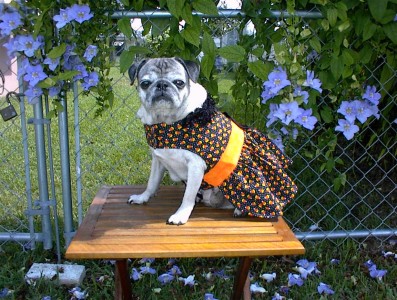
{"x":113,"y":229}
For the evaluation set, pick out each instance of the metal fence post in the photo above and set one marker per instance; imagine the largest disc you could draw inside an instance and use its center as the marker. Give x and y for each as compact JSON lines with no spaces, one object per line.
{"x":65,"y":169}
{"x":38,"y":123}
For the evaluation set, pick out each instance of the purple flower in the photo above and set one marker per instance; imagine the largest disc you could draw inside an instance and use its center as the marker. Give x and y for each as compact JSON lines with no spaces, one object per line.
{"x":312,"y":82}
{"x":294,"y":279}
{"x":34,"y":74}
{"x":299,"y":93}
{"x":147,"y":270}
{"x":371,"y":95}
{"x":147,"y":260}
{"x":277,"y":296}
{"x":165,"y":278}
{"x":52,"y":63}
{"x":10,"y":22}
{"x":269,"y":277}
{"x":256,"y":288}
{"x":375,"y":273}
{"x":277,"y":80}
{"x":63,"y":18}
{"x":174,"y":271}
{"x":348,"y":109}
{"x":56,"y":89}
{"x":12,"y":47}
{"x":5,"y":292}
{"x":78,"y":294}
{"x":369,"y":263}
{"x":335,"y":261}
{"x":90,"y":52}
{"x":221,"y":274}
{"x":209,"y":296}
{"x":278,"y":141}
{"x":82,"y":72}
{"x":395,"y":18}
{"x":80,"y":13}
{"x":325,"y":288}
{"x":347,"y":128}
{"x":267,"y":94}
{"x":309,"y":266}
{"x":271,"y":117}
{"x":188,"y":280}
{"x":135,"y":275}
{"x":33,"y":94}
{"x":306,"y":119}
{"x":363,"y":110}
{"x":312,"y":56}
{"x":287,"y":112}
{"x":29,"y":45}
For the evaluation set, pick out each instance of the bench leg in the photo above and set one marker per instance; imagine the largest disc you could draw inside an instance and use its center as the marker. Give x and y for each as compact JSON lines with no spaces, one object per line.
{"x":122,"y":281}
{"x":241,"y":281}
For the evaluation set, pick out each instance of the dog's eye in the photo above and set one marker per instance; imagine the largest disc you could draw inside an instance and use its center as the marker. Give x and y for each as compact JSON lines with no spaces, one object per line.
{"x":145,"y":84}
{"x":179,"y":83}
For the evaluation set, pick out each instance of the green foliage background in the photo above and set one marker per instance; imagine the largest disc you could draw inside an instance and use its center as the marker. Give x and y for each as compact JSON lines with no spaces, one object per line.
{"x":355,"y":42}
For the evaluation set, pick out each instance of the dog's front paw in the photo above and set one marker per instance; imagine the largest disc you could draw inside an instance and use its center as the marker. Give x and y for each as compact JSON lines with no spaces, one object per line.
{"x":179,"y":218}
{"x":138,"y":199}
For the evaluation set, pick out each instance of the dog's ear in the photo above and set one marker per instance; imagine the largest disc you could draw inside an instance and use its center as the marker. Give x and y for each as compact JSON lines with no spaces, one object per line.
{"x":134,"y":70}
{"x":192,"y":68}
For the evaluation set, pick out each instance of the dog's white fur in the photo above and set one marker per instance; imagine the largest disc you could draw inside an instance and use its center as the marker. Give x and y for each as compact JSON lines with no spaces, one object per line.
{"x":182,"y":165}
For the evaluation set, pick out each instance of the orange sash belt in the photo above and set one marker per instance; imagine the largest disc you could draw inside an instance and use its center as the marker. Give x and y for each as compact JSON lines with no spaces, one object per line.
{"x":229,"y":158}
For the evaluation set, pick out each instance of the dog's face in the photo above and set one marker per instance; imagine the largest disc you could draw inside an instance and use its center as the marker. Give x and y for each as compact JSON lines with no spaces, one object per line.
{"x":165,"y":86}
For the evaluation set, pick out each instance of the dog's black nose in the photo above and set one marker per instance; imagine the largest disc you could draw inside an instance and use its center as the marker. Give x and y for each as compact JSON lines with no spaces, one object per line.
{"x":162,"y":85}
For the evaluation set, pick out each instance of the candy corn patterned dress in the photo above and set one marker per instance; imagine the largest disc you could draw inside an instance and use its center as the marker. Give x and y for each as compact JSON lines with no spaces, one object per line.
{"x":242,"y":162}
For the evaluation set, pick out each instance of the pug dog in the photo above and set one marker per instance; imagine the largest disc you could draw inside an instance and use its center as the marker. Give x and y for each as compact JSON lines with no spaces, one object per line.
{"x":200,"y":146}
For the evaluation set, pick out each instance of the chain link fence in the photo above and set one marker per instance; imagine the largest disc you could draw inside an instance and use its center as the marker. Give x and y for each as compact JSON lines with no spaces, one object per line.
{"x":111,"y":150}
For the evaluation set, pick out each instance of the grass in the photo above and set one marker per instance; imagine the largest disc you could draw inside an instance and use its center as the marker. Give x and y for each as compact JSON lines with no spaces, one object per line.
{"x":113,"y":151}
{"x":349,"y":279}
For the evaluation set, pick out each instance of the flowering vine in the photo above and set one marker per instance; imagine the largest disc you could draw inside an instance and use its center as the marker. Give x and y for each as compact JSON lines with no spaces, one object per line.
{"x":56,"y":47}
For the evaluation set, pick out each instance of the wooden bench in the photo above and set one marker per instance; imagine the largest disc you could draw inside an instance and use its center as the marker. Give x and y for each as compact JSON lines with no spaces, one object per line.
{"x":115,"y":230}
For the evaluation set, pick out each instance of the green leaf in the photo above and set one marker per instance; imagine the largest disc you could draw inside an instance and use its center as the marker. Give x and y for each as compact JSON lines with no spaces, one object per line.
{"x":391,"y":31}
{"x":315,"y":44}
{"x":207,"y":7}
{"x":377,"y":8}
{"x":124,"y":25}
{"x":47,"y":83}
{"x":125,"y":2}
{"x":345,"y":25}
{"x":207,"y":64}
{"x":339,"y":181}
{"x":67,"y":75}
{"x":159,"y":26}
{"x":369,"y":30}
{"x":258,"y":52}
{"x":126,"y":60}
{"x":332,"y":15}
{"x":139,"y":50}
{"x":336,"y":67}
{"x":175,"y":7}
{"x":327,"y":114}
{"x":179,"y":41}
{"x":234,"y":53}
{"x":260,"y":69}
{"x":191,"y":34}
{"x":186,"y":14}
{"x":57,"y":51}
{"x":305,"y":33}
{"x":208,"y":44}
{"x":348,"y":59}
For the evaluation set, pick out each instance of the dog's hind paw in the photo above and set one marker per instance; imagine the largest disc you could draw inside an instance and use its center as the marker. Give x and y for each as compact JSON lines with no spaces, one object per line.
{"x":138,"y":199}
{"x":238,"y":213}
